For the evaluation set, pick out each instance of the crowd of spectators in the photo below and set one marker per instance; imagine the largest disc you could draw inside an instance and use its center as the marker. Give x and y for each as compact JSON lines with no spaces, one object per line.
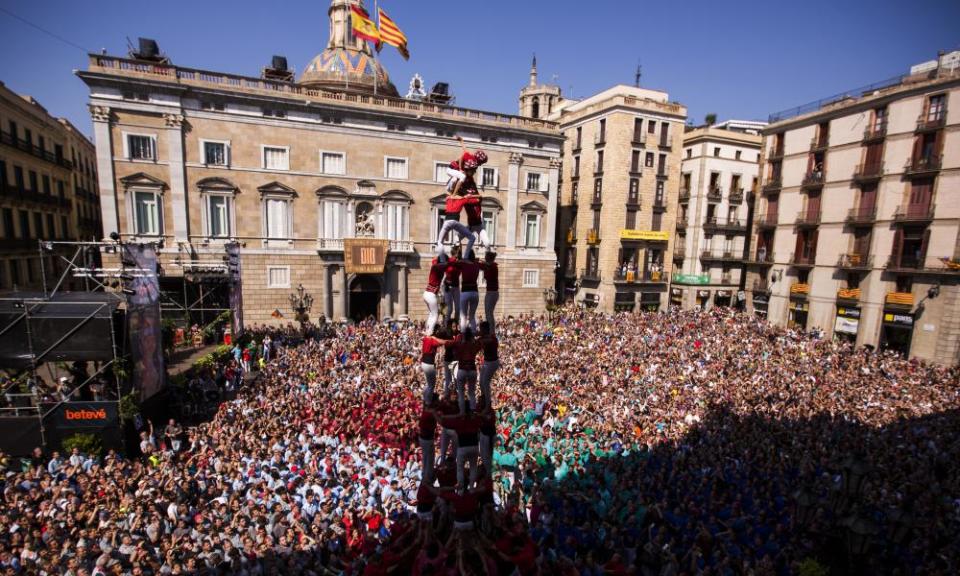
{"x":657,"y":443}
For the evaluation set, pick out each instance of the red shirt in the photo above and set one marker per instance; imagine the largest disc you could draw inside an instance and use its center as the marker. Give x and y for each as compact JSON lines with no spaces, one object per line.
{"x":467,"y":428}
{"x":425,"y":498}
{"x":474,"y":211}
{"x":452,"y":273}
{"x":491,"y":348}
{"x":428,"y":425}
{"x":466,"y":354}
{"x":428,"y":350}
{"x":492,"y":275}
{"x":455,"y":204}
{"x":435,"y":276}
{"x":464,"y":506}
{"x":470,"y":271}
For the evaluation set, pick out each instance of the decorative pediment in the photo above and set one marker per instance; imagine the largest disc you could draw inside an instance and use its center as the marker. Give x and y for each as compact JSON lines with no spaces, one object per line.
{"x":397,"y":196}
{"x":366,"y":188}
{"x":533,"y":206}
{"x":276,"y":188}
{"x":217,"y":185}
{"x":143,"y":180}
{"x":491,"y":202}
{"x":331,"y":191}
{"x":441,"y":199}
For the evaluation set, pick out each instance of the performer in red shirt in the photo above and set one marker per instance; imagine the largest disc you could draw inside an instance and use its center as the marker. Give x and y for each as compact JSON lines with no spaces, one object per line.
{"x":491,"y":274}
{"x":491,"y":361}
{"x":466,"y":350}
{"x":428,"y":428}
{"x":451,"y":286}
{"x":428,"y":362}
{"x":434,"y":278}
{"x":469,"y":292}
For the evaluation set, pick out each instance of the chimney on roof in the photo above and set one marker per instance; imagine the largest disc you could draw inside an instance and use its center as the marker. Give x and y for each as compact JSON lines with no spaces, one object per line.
{"x":148,"y":49}
{"x":278,"y":70}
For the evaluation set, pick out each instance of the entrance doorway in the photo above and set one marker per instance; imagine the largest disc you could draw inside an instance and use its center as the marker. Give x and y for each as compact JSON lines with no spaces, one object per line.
{"x":364,"y":298}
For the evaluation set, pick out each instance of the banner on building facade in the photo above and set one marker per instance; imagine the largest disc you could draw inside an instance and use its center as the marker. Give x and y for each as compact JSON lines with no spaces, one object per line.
{"x":691,"y":278}
{"x":365,"y":255}
{"x":143,"y":319}
{"x":649,"y":235}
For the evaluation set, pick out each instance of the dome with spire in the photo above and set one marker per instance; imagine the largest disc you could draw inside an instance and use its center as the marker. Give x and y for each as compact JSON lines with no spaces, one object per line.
{"x":347,"y":63}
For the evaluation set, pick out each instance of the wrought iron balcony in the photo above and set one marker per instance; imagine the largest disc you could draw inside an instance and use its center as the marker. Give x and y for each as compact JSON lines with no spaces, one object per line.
{"x":593,"y":237}
{"x":714,"y":194}
{"x":599,"y":140}
{"x":684,"y":195}
{"x":659,"y":206}
{"x":923,"y":165}
{"x":807,"y":219}
{"x":813,"y":179}
{"x":863,"y":216}
{"x":927,"y":124}
{"x":766,"y":220}
{"x":681,"y":223}
{"x":761,"y":259}
{"x":724,"y":256}
{"x":855,"y":261}
{"x":799,"y":289}
{"x":665,"y":142}
{"x":30,"y":148}
{"x":904,"y":299}
{"x":866,"y":173}
{"x":874,"y":133}
{"x":571,"y":236}
{"x":715,"y":225}
{"x":912,"y":213}
{"x":850,"y":294}
{"x":773,"y":185}
{"x":775,"y":153}
{"x":591,"y":275}
{"x":679,"y":253}
{"x":818,"y":144}
{"x":736,"y":196}
{"x":801,"y":260}
{"x":639,"y":138}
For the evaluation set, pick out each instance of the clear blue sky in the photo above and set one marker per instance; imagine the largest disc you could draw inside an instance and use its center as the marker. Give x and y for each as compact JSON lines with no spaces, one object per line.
{"x":739,"y":59}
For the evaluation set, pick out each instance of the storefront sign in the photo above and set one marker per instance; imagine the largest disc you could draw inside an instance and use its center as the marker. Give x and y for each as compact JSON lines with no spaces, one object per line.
{"x":85,"y":414}
{"x":723,"y":293}
{"x":365,"y":255}
{"x":703,"y":293}
{"x":898,"y":319}
{"x":648,"y":235}
{"x":676,"y":292}
{"x":741,"y":295}
{"x":848,"y":312}
{"x":799,"y":306}
{"x":846,"y":325}
{"x":691,"y":278}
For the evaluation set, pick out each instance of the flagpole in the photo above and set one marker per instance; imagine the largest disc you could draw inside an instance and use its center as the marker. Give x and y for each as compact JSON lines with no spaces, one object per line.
{"x":376,"y":64}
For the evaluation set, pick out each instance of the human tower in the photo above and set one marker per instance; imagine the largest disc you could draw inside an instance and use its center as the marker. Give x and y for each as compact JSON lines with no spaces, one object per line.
{"x":459,"y":470}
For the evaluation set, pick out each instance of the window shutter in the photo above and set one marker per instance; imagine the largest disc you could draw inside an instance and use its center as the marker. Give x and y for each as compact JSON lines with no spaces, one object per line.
{"x":813,"y":245}
{"x":923,"y":248}
{"x":897,"y":247}
{"x":544,"y":183}
{"x":798,"y":249}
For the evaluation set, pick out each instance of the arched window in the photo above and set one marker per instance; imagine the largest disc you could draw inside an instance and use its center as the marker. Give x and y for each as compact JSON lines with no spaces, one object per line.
{"x":535,"y":110}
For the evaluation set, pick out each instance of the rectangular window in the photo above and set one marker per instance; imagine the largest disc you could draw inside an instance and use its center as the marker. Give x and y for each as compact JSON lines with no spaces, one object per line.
{"x":531,"y":278}
{"x":648,"y":160}
{"x":489,"y":177}
{"x":397,"y":226}
{"x":490,"y":225}
{"x":140,"y":147}
{"x":24,"y":224}
{"x":600,"y":161}
{"x":277,"y":214}
{"x":637,"y":129}
{"x":631,"y":222}
{"x":936,"y":108}
{"x":333,"y":163}
{"x":15,"y":272}
{"x":533,"y":181}
{"x":396,"y":168}
{"x":38,"y":224}
{"x":34,"y":187}
{"x":276,"y":158}
{"x":218,"y":214}
{"x":603,"y":130}
{"x":215,"y":153}
{"x":634,"y":195}
{"x":146,"y":213}
{"x":651,"y":127}
{"x":278,"y":276}
{"x":737,"y":154}
{"x":46,"y":184}
{"x":14,"y":131}
{"x":439,"y":172}
{"x":64,"y":228}
{"x":8,"y":230}
{"x":333,"y":215}
{"x":18,"y":177}
{"x":635,"y":161}
{"x":531,"y":230}
{"x":51,"y":227}
{"x":716,"y":152}
{"x":657,"y":221}
{"x":576,"y":166}
{"x":3,"y":174}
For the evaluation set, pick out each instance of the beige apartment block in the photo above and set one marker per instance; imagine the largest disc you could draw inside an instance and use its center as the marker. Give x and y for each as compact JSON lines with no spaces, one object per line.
{"x":48,"y":191}
{"x":193,"y":160}
{"x":621,"y":178}
{"x":856,"y":231}
{"x":720,"y":167}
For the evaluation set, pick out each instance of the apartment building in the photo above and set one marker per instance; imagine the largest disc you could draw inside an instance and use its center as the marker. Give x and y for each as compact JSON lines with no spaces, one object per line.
{"x":621,"y":176}
{"x":310,"y":177}
{"x":720,"y":165}
{"x":48,"y":190}
{"x":856,"y":232}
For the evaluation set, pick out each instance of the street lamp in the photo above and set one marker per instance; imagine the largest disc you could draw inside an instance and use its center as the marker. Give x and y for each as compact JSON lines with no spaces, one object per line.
{"x":301,"y":303}
{"x":860,"y":532}
{"x":854,"y":473}
{"x":805,"y":504}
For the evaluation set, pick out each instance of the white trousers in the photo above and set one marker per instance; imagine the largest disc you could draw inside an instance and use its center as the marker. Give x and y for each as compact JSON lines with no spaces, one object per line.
{"x":463,"y":231}
{"x":489,"y":308}
{"x":449,"y":377}
{"x":468,"y":310}
{"x":430,"y":374}
{"x":433,"y":310}
{"x":480,"y":233}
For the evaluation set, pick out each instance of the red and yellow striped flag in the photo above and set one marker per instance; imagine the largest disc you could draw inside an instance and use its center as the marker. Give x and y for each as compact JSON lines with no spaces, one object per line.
{"x":363,"y":26}
{"x":391,"y":34}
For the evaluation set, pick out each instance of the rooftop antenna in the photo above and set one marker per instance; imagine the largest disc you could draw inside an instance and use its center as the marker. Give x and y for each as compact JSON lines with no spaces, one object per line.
{"x":636,"y":79}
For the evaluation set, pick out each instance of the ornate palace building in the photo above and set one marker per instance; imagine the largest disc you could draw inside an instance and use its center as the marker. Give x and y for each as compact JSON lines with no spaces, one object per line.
{"x":328,"y":180}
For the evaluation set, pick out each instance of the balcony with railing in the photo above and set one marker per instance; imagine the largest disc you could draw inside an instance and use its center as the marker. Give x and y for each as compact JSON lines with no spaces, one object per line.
{"x":928,"y":123}
{"x":682,"y":222}
{"x":803,"y":260}
{"x":591,"y":274}
{"x":818,"y":144}
{"x":599,"y":140}
{"x":684,"y":195}
{"x":765,"y":220}
{"x":866,"y":173}
{"x":862,"y":216}
{"x":577,"y":146}
{"x":639,"y":138}
{"x":799,"y":289}
{"x":923,"y":165}
{"x":714,"y":194}
{"x":761,"y":258}
{"x":30,"y":148}
{"x":854,"y":261}
{"x":665,"y":142}
{"x":719,"y":256}
{"x":849,"y":294}
{"x":639,"y":277}
{"x":571,"y":236}
{"x":570,"y":270}
{"x":775,"y":153}
{"x":914,"y":214}
{"x":774,"y":184}
{"x":735,"y":196}
{"x":679,"y":253}
{"x":593,"y":237}
{"x":715,"y":225}
{"x":875,"y":132}
{"x":813,"y":179}
{"x":905,"y":262}
{"x":807,"y":219}
{"x":659,"y":205}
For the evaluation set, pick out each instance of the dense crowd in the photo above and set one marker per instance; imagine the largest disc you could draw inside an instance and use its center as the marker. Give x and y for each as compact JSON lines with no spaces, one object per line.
{"x":657,"y":444}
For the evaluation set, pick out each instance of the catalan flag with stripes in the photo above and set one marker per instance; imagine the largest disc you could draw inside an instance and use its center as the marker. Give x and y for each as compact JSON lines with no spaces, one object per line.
{"x":363,"y":26}
{"x":391,"y":34}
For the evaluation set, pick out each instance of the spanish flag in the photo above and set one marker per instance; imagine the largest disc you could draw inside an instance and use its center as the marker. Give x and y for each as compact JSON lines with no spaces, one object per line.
{"x":390,"y":34}
{"x":363,"y":26}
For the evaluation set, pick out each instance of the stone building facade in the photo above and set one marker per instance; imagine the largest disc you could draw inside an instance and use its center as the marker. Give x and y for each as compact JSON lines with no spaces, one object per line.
{"x":48,"y":191}
{"x":857,"y":230}
{"x":194,"y":160}
{"x":720,"y":165}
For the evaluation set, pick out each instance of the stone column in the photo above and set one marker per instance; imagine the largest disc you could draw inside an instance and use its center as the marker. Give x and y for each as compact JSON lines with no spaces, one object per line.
{"x":109,"y":203}
{"x":402,"y":272}
{"x":337,"y":298}
{"x":178,"y":178}
{"x":386,"y":296}
{"x":553,"y":202}
{"x":345,"y":293}
{"x":326,"y":272}
{"x":513,"y":189}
